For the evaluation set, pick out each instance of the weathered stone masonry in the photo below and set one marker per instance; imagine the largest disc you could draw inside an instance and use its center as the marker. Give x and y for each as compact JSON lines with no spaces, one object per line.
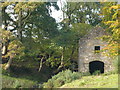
{"x":87,"y":51}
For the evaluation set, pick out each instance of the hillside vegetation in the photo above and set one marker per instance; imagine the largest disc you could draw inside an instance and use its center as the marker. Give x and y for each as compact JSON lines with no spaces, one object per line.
{"x":101,"y":81}
{"x":65,"y":79}
{"x":41,"y":51}
{"x":12,"y":82}
{"x":69,"y":79}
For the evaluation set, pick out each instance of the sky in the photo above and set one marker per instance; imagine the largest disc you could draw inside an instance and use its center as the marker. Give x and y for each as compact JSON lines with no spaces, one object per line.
{"x":58,"y":15}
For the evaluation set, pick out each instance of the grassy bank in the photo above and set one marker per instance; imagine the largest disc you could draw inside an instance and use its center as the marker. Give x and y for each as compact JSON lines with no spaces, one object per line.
{"x":101,"y":81}
{"x":65,"y":79}
{"x":11,"y":82}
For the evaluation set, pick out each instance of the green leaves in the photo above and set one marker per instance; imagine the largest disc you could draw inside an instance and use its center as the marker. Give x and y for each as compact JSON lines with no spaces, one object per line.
{"x":15,"y":48}
{"x":81,"y":29}
{"x":82,"y":12}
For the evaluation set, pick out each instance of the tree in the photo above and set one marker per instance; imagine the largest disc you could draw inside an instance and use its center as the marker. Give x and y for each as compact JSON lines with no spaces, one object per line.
{"x":82,"y":12}
{"x":29,"y":22}
{"x":68,"y":40}
{"x":5,"y":22}
{"x":15,"y":47}
{"x":110,"y":14}
{"x":38,"y":34}
{"x":73,"y":27}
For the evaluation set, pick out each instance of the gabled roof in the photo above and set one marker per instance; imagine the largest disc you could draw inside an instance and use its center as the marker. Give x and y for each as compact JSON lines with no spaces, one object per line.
{"x":96,"y":31}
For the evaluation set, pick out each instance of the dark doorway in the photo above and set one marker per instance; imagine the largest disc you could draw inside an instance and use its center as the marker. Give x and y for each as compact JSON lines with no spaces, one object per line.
{"x":96,"y":65}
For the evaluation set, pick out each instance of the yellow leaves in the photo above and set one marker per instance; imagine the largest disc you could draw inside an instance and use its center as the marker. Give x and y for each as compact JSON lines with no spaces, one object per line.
{"x":105,"y":37}
{"x":110,"y":11}
{"x":115,"y":16}
{"x":112,"y":23}
{"x":5,"y":35}
{"x":108,"y":22}
{"x":105,"y":10}
{"x":25,"y":6}
{"x":111,"y":16}
{"x":114,"y":7}
{"x":112,"y":50}
{"x":5,"y":4}
{"x":15,"y":47}
{"x":102,"y":1}
{"x":115,"y":29}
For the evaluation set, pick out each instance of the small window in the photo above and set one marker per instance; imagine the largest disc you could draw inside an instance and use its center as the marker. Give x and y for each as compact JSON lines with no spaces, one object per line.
{"x":97,"y":49}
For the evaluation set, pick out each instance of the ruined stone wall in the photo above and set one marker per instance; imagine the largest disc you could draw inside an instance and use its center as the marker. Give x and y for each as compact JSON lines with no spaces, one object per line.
{"x":87,"y":53}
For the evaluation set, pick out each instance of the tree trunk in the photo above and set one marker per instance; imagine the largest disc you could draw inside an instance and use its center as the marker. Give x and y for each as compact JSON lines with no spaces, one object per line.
{"x":7,"y":67}
{"x":4,"y":21}
{"x":71,"y":55}
{"x":4,"y":18}
{"x":41,"y":63}
{"x":0,"y":51}
{"x":19,"y":31}
{"x":5,"y":48}
{"x":62,"y":60}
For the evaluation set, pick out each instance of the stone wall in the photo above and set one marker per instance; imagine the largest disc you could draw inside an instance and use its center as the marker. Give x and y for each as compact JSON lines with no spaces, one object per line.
{"x":87,"y":53}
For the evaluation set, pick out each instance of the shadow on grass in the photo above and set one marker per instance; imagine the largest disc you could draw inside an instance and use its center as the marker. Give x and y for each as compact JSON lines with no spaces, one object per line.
{"x":29,"y":73}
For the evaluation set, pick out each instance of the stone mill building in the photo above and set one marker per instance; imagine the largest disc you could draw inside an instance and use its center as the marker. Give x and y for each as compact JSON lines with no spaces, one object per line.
{"x":91,"y":58}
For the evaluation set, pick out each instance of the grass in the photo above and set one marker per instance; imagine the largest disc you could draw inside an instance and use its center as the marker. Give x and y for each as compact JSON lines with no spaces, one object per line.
{"x":101,"y":81}
{"x":93,"y":81}
{"x":11,"y":82}
{"x":24,"y":75}
{"x":62,"y":78}
{"x":68,"y":79}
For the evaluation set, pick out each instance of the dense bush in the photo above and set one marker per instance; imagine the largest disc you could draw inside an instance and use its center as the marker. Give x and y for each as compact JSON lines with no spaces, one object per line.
{"x":62,"y":78}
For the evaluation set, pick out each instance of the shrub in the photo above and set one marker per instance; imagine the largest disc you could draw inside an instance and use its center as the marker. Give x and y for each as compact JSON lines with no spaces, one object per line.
{"x":49,"y":84}
{"x":62,"y":78}
{"x":97,"y":72}
{"x":59,"y":82}
{"x":109,"y":73}
{"x":86,"y":74}
{"x":116,"y":63}
{"x":16,"y":84}
{"x":40,"y":86}
{"x":6,"y":72}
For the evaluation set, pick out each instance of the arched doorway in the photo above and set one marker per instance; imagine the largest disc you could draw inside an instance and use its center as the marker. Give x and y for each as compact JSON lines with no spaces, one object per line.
{"x":96,"y":65}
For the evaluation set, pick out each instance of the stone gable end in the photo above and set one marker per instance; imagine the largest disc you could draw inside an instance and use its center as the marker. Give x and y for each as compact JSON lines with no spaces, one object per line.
{"x":87,"y":54}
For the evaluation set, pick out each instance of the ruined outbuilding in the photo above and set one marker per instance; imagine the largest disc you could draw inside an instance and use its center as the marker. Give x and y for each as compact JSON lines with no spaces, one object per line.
{"x":91,"y":58}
